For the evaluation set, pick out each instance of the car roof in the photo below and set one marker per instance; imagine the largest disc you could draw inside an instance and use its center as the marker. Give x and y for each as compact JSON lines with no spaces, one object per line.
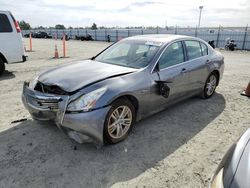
{"x":163,"y":38}
{"x":4,"y":11}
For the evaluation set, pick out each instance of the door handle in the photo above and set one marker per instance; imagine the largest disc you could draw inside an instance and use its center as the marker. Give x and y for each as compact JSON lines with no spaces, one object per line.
{"x":184,"y":70}
{"x":208,"y":61}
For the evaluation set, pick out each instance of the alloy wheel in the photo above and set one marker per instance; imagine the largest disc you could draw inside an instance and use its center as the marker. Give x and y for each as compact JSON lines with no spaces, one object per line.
{"x":211,"y":85}
{"x":119,"y":122}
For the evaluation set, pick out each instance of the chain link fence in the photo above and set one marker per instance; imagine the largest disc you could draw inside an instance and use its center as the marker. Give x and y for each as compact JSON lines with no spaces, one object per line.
{"x":241,"y":35}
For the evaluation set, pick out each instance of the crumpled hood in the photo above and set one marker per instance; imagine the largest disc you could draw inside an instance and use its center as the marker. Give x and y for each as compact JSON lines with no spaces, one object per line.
{"x":74,"y":76}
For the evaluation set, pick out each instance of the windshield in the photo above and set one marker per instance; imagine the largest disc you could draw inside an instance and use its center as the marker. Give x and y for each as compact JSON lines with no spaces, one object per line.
{"x":134,"y":54}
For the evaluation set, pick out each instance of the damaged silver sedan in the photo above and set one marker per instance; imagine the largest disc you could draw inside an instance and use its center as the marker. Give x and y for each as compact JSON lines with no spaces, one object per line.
{"x":102,"y":97}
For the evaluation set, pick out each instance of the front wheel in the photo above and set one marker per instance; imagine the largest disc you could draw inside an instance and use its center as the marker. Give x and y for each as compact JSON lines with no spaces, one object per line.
{"x":119,"y":121}
{"x":210,"y":86}
{"x":2,"y":67}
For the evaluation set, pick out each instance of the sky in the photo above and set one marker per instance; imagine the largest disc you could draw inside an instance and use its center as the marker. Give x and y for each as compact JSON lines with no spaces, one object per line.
{"x":111,"y":13}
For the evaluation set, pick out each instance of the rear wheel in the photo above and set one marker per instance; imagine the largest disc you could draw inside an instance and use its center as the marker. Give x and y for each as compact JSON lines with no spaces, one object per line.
{"x":119,"y":121}
{"x":2,"y":67}
{"x":210,"y":86}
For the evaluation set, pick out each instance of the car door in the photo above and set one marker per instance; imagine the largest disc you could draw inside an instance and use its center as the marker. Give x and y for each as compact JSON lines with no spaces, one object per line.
{"x":197,"y":60}
{"x":173,"y":73}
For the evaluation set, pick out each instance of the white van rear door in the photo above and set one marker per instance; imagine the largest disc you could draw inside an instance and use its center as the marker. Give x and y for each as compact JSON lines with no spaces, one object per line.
{"x":11,"y":44}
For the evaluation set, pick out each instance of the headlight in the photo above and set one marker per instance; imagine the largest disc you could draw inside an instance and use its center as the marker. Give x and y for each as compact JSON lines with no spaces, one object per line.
{"x":87,"y":101}
{"x":218,"y":180}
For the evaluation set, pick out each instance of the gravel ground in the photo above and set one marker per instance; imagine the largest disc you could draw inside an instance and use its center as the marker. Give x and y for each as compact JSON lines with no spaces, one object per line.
{"x":178,"y":147}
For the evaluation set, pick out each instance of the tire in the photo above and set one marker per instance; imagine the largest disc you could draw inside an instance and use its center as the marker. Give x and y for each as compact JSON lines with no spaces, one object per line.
{"x":117,"y":132}
{"x":210,"y":86}
{"x":2,"y":67}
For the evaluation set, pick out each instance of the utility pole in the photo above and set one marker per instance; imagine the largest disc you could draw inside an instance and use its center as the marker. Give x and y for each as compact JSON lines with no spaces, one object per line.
{"x":199,"y":23}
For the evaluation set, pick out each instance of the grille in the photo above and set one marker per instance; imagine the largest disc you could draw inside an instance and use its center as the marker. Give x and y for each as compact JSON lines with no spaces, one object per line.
{"x":50,"y":104}
{"x":52,"y":89}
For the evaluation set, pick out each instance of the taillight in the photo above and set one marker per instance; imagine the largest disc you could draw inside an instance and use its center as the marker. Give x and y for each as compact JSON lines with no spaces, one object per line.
{"x":18,"y":29}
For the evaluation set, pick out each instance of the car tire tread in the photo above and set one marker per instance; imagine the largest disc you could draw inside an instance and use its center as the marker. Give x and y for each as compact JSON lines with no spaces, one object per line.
{"x":2,"y":67}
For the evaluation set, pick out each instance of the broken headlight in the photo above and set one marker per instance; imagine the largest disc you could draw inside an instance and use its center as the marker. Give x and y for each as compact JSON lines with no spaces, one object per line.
{"x":33,"y":83}
{"x":218,"y":180}
{"x":86,"y":102}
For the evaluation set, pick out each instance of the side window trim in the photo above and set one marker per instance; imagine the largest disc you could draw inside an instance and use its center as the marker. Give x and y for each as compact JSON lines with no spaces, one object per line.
{"x":186,"y":59}
{"x":184,"y":51}
{"x":201,"y":49}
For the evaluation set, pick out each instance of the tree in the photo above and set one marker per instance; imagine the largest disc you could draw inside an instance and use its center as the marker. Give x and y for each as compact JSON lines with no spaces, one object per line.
{"x":59,"y":26}
{"x":102,"y":27}
{"x":24,"y":25}
{"x":40,"y":27}
{"x":94,"y":26}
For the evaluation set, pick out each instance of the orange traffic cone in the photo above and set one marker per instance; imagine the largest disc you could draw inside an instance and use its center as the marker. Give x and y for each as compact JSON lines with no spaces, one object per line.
{"x":247,"y":91}
{"x":56,"y":56}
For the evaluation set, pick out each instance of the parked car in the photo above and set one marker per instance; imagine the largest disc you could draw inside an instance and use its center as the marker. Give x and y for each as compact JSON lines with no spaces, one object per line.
{"x":138,"y":76}
{"x":234,"y":169}
{"x":33,"y":35}
{"x":66,"y":37}
{"x":27,"y":35}
{"x":11,"y":42}
{"x":88,"y":37}
{"x":41,"y":34}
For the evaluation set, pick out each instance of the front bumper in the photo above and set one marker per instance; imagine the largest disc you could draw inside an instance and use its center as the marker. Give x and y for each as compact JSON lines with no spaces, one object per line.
{"x":43,"y":106}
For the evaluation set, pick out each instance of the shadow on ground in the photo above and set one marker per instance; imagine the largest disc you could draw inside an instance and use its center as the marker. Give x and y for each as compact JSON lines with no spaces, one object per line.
{"x":7,"y":75}
{"x":34,"y":154}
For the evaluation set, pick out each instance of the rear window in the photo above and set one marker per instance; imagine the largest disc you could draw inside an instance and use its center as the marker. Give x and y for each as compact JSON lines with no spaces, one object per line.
{"x":193,"y":49}
{"x":5,"y":26}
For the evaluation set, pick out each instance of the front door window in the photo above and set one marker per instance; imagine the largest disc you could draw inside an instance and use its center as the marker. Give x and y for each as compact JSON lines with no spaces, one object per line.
{"x":173,"y":55}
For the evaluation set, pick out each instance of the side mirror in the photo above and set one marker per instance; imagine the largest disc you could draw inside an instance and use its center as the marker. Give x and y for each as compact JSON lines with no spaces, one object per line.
{"x":92,"y":58}
{"x":156,"y":68}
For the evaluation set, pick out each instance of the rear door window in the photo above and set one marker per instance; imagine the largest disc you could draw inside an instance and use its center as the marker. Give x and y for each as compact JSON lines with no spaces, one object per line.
{"x":204,"y":49}
{"x":5,"y":26}
{"x":193,"y":49}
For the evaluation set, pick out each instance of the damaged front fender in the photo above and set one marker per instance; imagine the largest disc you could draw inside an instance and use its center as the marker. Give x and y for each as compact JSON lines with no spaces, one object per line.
{"x":43,"y":106}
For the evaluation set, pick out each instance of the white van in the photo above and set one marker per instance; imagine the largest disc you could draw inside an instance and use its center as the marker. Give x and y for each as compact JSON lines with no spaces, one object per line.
{"x":11,"y":42}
